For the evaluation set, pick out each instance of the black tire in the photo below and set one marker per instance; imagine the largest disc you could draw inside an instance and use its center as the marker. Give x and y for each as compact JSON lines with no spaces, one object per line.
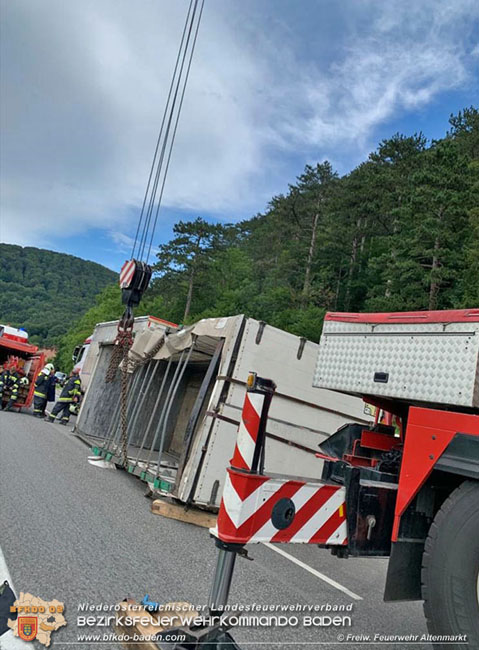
{"x":450,"y":569}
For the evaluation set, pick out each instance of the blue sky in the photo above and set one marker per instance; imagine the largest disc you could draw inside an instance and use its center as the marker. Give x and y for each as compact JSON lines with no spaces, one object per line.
{"x":274,"y":85}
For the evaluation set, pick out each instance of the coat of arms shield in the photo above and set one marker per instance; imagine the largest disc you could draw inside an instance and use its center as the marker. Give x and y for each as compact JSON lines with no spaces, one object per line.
{"x":27,"y":627}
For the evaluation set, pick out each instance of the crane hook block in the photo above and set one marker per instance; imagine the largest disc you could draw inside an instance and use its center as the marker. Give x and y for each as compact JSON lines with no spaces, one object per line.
{"x":134,"y":280}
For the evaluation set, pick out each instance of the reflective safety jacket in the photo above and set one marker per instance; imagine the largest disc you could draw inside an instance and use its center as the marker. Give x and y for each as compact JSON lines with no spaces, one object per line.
{"x":11,"y":383}
{"x":71,"y":389}
{"x":3,"y":380}
{"x":41,"y":386}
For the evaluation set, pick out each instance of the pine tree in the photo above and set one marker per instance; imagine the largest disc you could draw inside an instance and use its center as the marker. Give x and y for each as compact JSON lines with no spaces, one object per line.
{"x":187,"y":255}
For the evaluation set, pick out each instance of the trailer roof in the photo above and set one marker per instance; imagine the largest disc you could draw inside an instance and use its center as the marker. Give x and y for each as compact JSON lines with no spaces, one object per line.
{"x":446,"y":316}
{"x":205,"y":335}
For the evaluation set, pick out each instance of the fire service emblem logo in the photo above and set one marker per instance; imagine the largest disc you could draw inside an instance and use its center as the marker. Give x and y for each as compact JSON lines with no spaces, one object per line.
{"x":27,"y":627}
{"x":48,"y":618}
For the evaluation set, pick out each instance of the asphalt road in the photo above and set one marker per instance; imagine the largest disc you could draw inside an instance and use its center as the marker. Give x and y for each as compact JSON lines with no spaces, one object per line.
{"x":82,"y":534}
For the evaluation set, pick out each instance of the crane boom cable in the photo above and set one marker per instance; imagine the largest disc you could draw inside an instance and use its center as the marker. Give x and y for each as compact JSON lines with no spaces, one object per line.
{"x":168,"y":128}
{"x":136,"y":273}
{"x":174,"y":131}
{"x":165,"y":141}
{"x":159,"y":139}
{"x":166,"y":135}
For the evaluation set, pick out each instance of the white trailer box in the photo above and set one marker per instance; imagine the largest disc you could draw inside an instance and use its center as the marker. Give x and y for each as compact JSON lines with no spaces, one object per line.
{"x":206,"y":366}
{"x":417,"y":357}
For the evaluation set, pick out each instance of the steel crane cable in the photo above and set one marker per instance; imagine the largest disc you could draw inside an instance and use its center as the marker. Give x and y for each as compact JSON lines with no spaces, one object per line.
{"x":140,"y":220}
{"x":171,"y":116}
{"x":160,"y":169}
{"x":158,"y":205}
{"x":164,"y":144}
{"x":167,"y":134}
{"x":168,"y":108}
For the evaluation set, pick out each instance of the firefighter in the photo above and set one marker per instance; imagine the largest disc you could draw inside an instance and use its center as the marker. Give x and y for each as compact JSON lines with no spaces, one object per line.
{"x":51,"y":388}
{"x":12,"y":384}
{"x":70,"y":395}
{"x":24,"y":382}
{"x":41,"y":390}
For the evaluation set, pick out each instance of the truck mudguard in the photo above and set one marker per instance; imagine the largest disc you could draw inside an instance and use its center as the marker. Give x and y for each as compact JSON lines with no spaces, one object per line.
{"x":436,"y":441}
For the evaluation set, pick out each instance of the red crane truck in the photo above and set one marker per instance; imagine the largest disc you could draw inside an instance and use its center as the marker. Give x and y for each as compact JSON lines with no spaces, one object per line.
{"x":412,"y":481}
{"x":405,"y":487}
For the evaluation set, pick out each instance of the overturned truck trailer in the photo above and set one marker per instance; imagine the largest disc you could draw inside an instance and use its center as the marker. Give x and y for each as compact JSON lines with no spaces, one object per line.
{"x":185,"y":405}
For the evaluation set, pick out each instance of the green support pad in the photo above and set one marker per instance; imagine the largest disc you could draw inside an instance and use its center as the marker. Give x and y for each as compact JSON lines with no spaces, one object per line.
{"x":162,"y":485}
{"x":108,"y":456}
{"x":96,"y":451}
{"x":130,"y":468}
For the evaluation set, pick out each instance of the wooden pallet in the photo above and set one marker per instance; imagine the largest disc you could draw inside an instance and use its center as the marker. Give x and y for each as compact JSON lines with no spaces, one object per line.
{"x":149,"y":627}
{"x":167,"y":508}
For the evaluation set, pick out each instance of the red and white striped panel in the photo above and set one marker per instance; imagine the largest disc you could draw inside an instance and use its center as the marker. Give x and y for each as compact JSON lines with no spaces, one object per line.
{"x":248,"y":431}
{"x":245,"y":514}
{"x":126,"y":274}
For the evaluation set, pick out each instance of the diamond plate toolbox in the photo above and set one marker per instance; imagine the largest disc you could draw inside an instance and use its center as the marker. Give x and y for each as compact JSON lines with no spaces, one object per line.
{"x":415,"y":356}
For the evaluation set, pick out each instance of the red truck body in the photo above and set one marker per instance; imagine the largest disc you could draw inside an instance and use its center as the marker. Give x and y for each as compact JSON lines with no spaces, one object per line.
{"x":15,"y":351}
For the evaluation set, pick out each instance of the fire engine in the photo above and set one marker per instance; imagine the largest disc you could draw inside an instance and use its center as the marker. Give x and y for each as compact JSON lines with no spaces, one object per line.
{"x":17,"y":353}
{"x":411,"y":482}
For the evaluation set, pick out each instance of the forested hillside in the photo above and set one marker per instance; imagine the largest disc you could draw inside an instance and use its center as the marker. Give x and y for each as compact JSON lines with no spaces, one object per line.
{"x":46,"y":292}
{"x":400,"y":232}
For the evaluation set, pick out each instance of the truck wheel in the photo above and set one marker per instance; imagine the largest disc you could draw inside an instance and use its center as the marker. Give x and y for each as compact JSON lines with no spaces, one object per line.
{"x":450,"y":568}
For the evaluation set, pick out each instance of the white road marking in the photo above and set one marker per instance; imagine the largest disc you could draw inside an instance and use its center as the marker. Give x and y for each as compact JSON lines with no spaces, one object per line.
{"x":8,"y":641}
{"x":319,"y":575}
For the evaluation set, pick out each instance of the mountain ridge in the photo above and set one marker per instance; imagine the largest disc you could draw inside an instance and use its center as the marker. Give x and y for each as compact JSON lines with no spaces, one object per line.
{"x":45,"y":291}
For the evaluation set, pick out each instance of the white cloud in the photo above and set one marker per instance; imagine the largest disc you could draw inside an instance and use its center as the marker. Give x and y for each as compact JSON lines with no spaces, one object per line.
{"x":410,"y":53}
{"x":124,"y":242}
{"x":85,"y":85}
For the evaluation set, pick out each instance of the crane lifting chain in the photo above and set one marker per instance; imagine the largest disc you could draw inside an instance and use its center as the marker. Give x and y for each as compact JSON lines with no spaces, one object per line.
{"x":134,"y":280}
{"x":135,"y":275}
